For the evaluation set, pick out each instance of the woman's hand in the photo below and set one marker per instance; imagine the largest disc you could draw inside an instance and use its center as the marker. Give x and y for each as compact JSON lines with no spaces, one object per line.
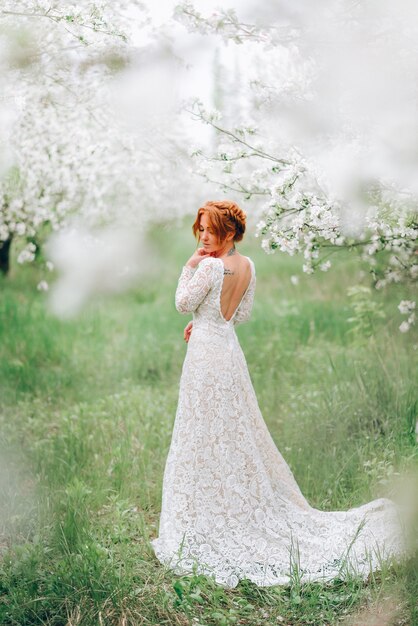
{"x":188,"y":331}
{"x":196,"y":257}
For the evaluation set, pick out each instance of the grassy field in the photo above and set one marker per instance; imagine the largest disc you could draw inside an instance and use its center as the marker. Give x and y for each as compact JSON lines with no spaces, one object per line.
{"x":87,"y":409}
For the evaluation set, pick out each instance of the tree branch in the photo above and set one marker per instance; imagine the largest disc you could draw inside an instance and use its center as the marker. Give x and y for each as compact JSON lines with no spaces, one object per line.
{"x":60,"y":18}
{"x":229,"y":133}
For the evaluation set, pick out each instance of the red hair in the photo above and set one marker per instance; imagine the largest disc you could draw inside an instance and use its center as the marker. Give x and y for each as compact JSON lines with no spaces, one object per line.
{"x":224,"y":217}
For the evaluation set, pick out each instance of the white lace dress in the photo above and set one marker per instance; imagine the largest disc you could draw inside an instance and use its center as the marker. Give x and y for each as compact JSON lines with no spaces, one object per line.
{"x":231,"y":507}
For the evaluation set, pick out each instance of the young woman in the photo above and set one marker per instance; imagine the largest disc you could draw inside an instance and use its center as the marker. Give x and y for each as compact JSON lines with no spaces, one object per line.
{"x":231,"y":507}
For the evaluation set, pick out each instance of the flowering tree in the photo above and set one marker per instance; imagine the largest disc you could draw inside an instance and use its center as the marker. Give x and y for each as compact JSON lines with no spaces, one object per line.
{"x":300,"y":128}
{"x":320,"y":139}
{"x":70,"y":153}
{"x":51,"y":76}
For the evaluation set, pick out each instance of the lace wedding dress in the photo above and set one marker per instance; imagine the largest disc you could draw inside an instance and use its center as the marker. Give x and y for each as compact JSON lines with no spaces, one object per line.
{"x":231,"y":507}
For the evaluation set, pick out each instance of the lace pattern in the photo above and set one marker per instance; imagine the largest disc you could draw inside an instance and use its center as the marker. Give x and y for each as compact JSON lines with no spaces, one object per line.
{"x":231,"y":507}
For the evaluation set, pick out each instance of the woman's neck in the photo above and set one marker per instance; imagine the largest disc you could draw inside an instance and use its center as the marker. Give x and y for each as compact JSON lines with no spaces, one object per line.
{"x":227,"y":250}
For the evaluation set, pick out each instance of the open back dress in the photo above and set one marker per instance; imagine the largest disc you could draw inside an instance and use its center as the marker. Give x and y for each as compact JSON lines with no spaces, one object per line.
{"x":231,"y":507}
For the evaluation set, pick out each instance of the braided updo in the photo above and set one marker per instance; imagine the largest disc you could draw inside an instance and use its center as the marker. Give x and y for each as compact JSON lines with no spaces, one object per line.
{"x":224,"y":217}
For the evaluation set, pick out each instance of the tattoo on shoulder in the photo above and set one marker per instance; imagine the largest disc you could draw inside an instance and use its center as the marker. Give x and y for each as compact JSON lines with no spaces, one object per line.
{"x":228,"y":271}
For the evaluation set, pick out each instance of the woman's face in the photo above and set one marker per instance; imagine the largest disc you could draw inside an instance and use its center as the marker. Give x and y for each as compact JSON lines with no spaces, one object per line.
{"x":206,"y":235}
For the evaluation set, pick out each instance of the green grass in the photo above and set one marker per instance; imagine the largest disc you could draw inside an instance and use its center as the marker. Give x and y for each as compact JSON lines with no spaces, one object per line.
{"x":87,"y":408}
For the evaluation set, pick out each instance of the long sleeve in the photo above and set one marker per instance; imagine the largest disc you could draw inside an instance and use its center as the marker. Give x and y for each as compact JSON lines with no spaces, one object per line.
{"x":193,"y":286}
{"x":243,"y":312}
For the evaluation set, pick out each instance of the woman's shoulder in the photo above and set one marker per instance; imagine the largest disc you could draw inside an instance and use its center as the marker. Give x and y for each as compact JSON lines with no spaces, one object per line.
{"x":209,"y":260}
{"x":212,"y":260}
{"x":209,"y":265}
{"x":252,"y":265}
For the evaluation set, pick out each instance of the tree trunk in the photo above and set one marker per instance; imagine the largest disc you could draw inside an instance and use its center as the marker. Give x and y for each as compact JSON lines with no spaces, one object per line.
{"x":5,"y":256}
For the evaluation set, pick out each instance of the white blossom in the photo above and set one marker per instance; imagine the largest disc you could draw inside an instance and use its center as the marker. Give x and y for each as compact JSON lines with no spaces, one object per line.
{"x":73,"y":152}
{"x":323,"y":169}
{"x":325,"y":266}
{"x":405,"y":306}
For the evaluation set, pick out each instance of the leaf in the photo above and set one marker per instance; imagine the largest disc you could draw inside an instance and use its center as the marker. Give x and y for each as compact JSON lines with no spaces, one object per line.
{"x":178,"y":588}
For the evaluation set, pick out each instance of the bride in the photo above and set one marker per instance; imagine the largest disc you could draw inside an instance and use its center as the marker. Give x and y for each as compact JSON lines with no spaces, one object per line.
{"x":231,"y":507}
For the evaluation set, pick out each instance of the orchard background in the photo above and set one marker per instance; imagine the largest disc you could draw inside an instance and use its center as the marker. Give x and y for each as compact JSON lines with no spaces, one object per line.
{"x":117,"y":121}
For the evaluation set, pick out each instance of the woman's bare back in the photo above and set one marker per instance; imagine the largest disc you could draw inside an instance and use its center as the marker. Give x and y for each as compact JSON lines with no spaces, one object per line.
{"x":237,"y":277}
